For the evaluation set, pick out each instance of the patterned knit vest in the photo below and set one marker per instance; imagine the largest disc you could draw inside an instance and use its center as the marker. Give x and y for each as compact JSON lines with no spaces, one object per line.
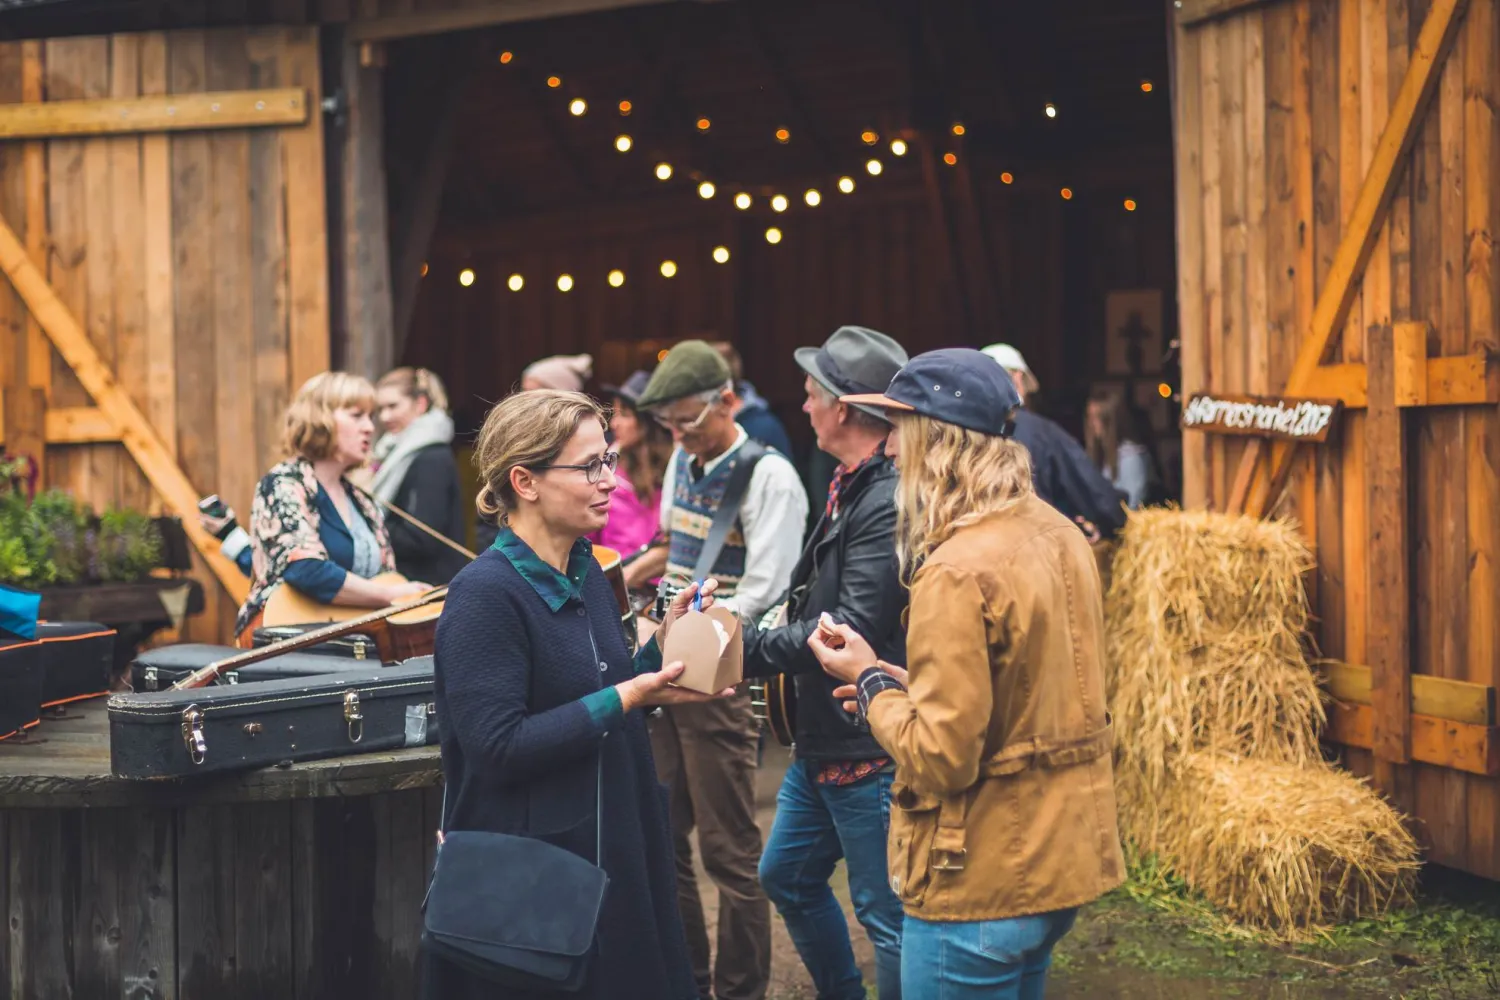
{"x":693,"y":507}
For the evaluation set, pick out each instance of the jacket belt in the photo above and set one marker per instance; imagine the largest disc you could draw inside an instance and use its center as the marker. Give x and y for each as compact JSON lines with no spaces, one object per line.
{"x":1024,"y":755}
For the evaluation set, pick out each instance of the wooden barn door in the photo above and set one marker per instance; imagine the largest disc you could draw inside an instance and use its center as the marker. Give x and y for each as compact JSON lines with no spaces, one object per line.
{"x":180,"y":228}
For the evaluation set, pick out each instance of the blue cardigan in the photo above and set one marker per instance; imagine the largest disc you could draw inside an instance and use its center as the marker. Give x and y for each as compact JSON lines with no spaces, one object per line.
{"x":320,"y":579}
{"x":525,"y":709}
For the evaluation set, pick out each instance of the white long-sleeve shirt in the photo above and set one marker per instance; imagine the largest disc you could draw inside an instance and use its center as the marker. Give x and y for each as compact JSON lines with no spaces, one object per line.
{"x":773,"y":517}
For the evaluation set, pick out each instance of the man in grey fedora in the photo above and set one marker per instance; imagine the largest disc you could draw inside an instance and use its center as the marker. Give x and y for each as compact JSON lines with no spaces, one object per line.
{"x":834,"y":799}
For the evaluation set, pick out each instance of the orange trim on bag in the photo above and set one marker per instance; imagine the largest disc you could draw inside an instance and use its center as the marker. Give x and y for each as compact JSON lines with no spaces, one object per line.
{"x":73,"y":698}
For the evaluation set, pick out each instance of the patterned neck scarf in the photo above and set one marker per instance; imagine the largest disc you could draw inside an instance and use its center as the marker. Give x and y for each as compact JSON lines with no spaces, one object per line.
{"x":843,"y":475}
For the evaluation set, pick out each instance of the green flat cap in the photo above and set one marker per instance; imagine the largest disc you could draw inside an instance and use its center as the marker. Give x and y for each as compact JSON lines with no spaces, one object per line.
{"x":690,"y":367}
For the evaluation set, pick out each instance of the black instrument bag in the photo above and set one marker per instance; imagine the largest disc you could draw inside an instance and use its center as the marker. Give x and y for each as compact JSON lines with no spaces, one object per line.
{"x":166,"y":734}
{"x":160,"y":668}
{"x":22,"y":677}
{"x":354,"y":647}
{"x":77,"y":658}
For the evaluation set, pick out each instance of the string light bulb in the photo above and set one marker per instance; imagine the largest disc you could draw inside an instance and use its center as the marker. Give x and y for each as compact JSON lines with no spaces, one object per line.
{"x":668,"y":268}
{"x":813,"y":197}
{"x":706,"y":190}
{"x":1067,"y":194}
{"x":1007,"y":177}
{"x":424,"y":269}
{"x":950,"y":158}
{"x":958,"y":128}
{"x":846,"y":185}
{"x":898,"y":147}
{"x":743,"y":201}
{"x":1146,"y":86}
{"x":626,"y":107}
{"x":874,"y":167}
{"x":1130,"y":204}
{"x":623,"y":143}
{"x":704,"y":124}
{"x":564,"y":282}
{"x":869,"y":138}
{"x":466,"y":277}
{"x":783,"y":136}
{"x":577,"y":106}
{"x":1051,"y":110}
{"x":664,"y":171}
{"x":1163,"y":390}
{"x":773,"y":235}
{"x":554,"y":82}
{"x":515,"y":283}
{"x":778,"y":203}
{"x":616,"y":278}
{"x":506,"y":58}
{"x":721,"y":255}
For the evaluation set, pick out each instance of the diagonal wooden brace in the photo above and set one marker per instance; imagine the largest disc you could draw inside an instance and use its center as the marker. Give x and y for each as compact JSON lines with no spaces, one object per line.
{"x":135,"y":431}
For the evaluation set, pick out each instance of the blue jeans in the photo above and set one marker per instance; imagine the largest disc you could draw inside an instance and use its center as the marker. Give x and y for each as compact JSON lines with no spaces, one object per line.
{"x":815,"y":826}
{"x":981,"y":959}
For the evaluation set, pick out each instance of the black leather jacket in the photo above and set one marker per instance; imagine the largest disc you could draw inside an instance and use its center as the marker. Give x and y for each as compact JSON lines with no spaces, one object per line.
{"x":848,"y":569}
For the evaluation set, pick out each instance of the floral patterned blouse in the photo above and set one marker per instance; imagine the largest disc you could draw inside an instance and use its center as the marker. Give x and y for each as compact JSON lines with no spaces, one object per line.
{"x":284,"y":524}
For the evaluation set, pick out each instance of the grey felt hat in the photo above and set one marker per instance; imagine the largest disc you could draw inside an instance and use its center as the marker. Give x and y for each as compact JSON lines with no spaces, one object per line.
{"x":854,"y":361}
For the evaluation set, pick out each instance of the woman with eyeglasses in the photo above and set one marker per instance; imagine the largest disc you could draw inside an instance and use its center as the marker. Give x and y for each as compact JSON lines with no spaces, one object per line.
{"x":539,"y":702}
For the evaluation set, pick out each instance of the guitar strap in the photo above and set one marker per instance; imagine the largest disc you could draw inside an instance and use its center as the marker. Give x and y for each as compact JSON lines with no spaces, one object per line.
{"x":750,"y":453}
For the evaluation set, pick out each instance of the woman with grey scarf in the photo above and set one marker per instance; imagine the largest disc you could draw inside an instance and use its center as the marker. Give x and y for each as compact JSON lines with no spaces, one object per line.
{"x":414,"y":469}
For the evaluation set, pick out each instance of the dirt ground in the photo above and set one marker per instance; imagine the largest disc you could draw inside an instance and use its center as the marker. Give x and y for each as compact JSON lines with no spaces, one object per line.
{"x":1153,"y":942}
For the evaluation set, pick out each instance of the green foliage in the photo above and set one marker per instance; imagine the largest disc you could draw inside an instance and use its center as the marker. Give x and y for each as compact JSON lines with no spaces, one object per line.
{"x":53,"y":539}
{"x":128,"y":546}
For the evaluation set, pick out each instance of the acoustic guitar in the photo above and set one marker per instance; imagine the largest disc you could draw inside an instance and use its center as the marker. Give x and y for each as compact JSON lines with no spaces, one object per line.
{"x":773,"y":700}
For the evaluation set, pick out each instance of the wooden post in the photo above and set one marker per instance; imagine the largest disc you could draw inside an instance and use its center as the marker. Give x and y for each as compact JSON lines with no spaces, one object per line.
{"x":23,"y":420}
{"x":1389,"y":603}
{"x":365,"y":337}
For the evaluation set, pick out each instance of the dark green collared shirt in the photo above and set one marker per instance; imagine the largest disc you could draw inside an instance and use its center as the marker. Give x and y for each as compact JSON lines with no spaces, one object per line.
{"x":556,"y":590}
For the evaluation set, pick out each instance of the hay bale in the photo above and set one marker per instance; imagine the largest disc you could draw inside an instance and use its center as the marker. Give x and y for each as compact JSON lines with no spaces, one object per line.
{"x":1281,"y":847}
{"x":1205,"y":618}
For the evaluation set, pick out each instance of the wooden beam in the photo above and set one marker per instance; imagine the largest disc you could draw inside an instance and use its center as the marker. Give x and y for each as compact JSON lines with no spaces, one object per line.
{"x":1191,"y":12}
{"x":1456,"y":381}
{"x":135,"y":431}
{"x":1362,"y":230}
{"x":80,"y":425}
{"x":480,"y":16}
{"x":366,"y":333}
{"x":1388,"y":613}
{"x":23,"y":412}
{"x":1458,"y":746}
{"x":1410,"y":357}
{"x":1439,"y":697}
{"x":164,"y":113}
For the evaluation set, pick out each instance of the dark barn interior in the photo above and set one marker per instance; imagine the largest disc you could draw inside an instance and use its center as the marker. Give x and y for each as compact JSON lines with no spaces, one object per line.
{"x":1001,"y":221}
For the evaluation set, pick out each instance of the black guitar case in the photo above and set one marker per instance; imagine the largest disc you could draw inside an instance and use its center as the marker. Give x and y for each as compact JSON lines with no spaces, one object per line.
{"x":77,"y":658}
{"x":22,"y":677}
{"x":353,"y":647}
{"x":160,"y":668}
{"x":172,"y":734}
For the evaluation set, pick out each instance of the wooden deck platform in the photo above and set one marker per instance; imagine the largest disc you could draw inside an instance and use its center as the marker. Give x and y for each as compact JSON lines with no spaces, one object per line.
{"x":293,"y":882}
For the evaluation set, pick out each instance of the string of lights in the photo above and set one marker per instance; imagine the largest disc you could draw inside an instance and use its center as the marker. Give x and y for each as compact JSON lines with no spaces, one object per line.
{"x":746,"y":196}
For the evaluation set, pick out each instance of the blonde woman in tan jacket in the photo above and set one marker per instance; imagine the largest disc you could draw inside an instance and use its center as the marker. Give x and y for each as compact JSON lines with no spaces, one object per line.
{"x":1003,"y":807}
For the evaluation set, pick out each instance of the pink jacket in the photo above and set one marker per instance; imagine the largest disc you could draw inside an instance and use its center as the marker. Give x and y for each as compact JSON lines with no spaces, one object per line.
{"x":631,"y":522}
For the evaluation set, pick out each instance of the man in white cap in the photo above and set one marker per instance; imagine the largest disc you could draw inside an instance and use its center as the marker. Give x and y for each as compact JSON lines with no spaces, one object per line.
{"x":1064,"y":476}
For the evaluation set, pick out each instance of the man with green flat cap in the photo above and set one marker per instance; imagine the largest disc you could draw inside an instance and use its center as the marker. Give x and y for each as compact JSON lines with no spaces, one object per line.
{"x":734,"y":511}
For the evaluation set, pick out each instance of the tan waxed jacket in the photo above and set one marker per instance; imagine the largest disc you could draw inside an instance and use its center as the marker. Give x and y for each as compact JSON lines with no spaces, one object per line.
{"x":1003,"y":803}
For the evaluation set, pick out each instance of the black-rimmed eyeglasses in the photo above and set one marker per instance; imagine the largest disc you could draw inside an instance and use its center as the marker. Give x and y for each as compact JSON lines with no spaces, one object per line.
{"x":593,"y":471}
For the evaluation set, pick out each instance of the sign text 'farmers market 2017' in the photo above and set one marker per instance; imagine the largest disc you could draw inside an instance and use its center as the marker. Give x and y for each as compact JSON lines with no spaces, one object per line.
{"x":1261,"y":416}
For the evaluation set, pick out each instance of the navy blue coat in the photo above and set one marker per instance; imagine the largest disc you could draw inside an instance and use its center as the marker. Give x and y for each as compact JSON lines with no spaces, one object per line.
{"x":520,"y":746}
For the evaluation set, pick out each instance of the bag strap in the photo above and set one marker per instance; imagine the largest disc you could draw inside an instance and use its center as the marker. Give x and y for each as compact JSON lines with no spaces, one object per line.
{"x":750,"y":453}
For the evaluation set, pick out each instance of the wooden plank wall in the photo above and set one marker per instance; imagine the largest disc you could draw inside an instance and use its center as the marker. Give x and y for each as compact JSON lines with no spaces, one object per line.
{"x":870,"y":259}
{"x":196,"y":262}
{"x":301,"y":900}
{"x":1278,"y":112}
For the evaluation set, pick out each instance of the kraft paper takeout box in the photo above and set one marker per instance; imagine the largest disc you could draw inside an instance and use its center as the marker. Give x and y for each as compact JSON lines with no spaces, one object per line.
{"x":694,"y":641}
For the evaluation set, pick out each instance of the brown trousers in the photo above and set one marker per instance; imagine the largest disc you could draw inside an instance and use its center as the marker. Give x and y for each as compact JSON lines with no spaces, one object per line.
{"x":706,"y":756}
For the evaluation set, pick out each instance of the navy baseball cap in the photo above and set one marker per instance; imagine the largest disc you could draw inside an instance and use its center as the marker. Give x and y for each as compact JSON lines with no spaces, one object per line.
{"x":956,"y":385}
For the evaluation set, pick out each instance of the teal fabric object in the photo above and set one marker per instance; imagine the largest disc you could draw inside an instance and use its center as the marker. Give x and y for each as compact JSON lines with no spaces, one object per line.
{"x":18,"y":612}
{"x":551,"y":586}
